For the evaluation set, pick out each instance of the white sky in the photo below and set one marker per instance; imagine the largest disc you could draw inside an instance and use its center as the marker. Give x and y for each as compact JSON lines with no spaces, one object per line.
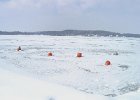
{"x":40,"y":15}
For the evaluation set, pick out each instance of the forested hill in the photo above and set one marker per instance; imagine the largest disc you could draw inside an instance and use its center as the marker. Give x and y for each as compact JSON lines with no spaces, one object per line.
{"x":73,"y":33}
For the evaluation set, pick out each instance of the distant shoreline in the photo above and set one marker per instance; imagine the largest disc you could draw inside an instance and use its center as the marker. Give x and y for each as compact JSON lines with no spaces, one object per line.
{"x":74,"y":33}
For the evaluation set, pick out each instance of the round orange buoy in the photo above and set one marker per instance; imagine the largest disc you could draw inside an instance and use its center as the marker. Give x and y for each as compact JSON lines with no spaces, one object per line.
{"x":50,"y":54}
{"x":79,"y":54}
{"x":107,"y":63}
{"x":19,"y":48}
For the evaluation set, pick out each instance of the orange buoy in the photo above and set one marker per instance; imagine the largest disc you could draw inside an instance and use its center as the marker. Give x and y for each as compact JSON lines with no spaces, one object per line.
{"x":19,"y":48}
{"x":50,"y":54}
{"x":79,"y":54}
{"x":107,"y":63}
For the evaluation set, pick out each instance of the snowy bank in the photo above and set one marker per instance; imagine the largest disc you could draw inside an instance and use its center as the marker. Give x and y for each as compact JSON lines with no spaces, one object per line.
{"x":18,"y":87}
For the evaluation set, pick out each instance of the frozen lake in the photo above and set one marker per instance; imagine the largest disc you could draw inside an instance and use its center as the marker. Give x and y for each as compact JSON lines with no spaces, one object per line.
{"x":88,"y":73}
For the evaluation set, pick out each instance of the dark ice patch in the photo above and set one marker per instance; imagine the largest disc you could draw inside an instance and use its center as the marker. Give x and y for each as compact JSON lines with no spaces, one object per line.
{"x":123,"y":67}
{"x":111,"y":95}
{"x":87,"y":70}
{"x":129,"y":88}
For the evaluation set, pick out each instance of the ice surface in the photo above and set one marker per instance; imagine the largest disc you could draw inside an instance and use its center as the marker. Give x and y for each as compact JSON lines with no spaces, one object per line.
{"x":88,"y":73}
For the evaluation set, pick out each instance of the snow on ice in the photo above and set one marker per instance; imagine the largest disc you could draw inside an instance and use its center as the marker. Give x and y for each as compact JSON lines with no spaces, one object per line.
{"x":81,"y":78}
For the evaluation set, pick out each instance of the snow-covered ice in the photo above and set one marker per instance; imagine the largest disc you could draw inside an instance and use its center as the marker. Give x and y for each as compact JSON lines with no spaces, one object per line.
{"x":87,"y":76}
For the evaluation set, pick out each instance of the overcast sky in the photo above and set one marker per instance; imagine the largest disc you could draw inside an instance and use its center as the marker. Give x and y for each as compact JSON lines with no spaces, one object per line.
{"x":40,"y":15}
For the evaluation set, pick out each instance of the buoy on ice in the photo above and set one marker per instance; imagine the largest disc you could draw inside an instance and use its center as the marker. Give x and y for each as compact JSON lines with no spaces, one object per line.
{"x":79,"y":54}
{"x":107,"y":63}
{"x":50,"y":54}
{"x":19,"y":48}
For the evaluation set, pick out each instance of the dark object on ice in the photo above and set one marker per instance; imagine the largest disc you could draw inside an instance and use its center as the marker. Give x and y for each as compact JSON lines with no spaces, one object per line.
{"x":79,"y":54}
{"x":50,"y":54}
{"x":19,"y":48}
{"x":107,"y":63}
{"x":115,"y":53}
